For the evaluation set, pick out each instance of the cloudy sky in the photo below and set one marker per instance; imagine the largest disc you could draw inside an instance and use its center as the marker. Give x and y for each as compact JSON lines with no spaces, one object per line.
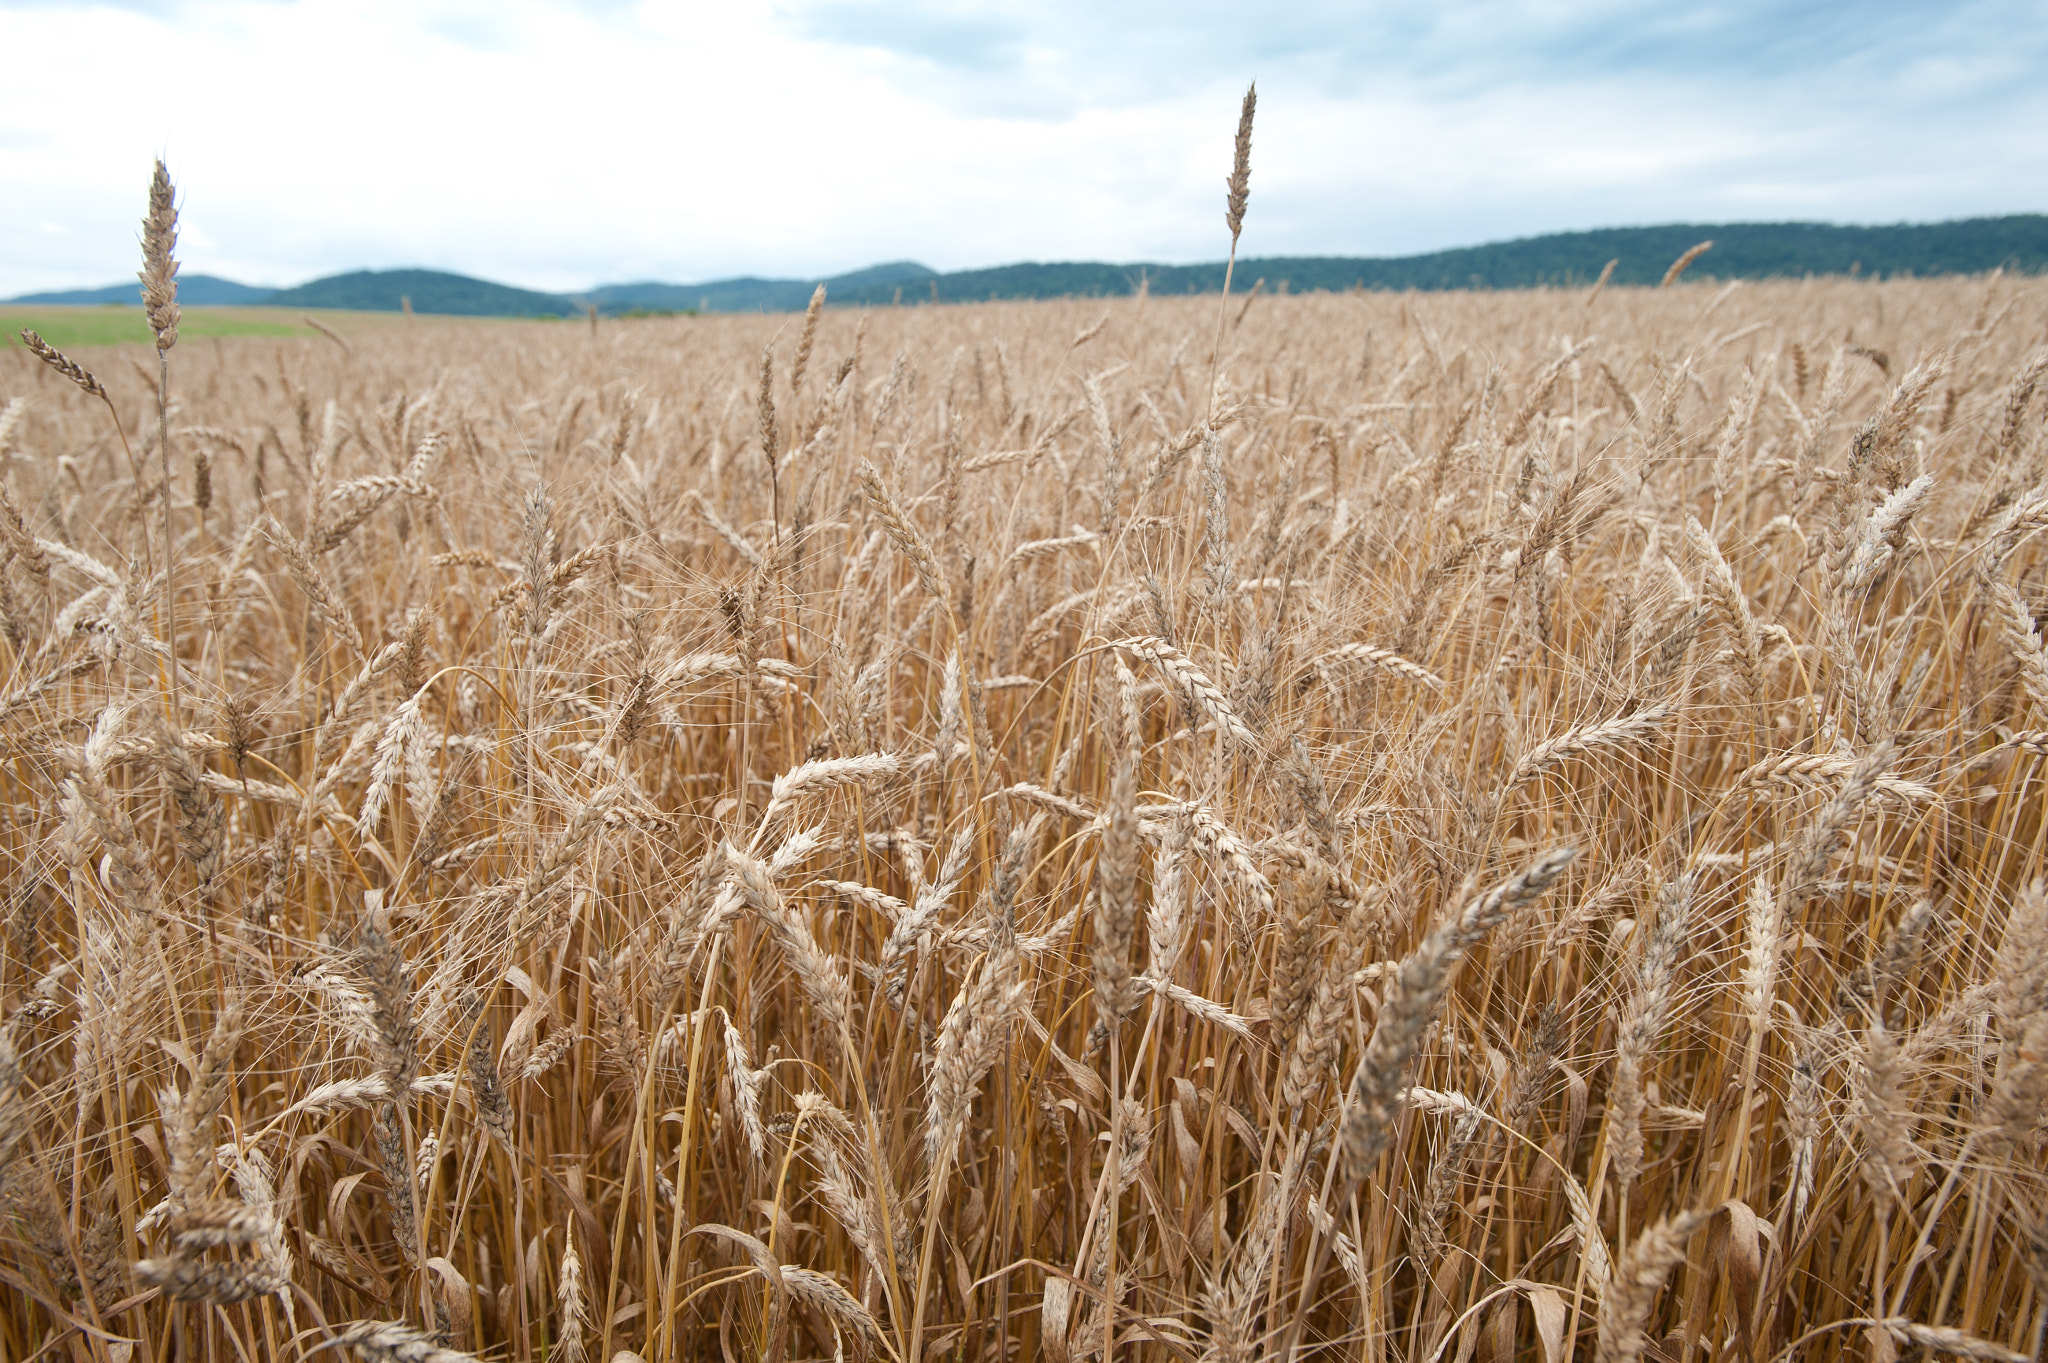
{"x":556,"y":144}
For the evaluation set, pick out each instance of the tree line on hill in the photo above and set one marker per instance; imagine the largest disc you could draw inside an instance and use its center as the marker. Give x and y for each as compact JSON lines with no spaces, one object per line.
{"x":2017,"y":242}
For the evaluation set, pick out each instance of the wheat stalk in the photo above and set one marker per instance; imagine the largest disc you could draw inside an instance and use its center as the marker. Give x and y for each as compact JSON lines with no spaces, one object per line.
{"x":1626,"y":1305}
{"x":1181,"y":670}
{"x":1237,"y":195}
{"x":1679,"y":265}
{"x":1411,"y":1004}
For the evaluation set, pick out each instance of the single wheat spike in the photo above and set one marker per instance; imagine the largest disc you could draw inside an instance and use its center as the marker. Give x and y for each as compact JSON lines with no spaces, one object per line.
{"x":1884,"y":534}
{"x":391,"y":1341}
{"x":63,"y":364}
{"x":202,"y":823}
{"x":1386,"y":660}
{"x":1300,"y":901}
{"x":1883,"y":1112}
{"x":325,"y":598}
{"x":216,"y":1222}
{"x":2020,"y":1005}
{"x":2022,"y":641}
{"x":806,"y":340}
{"x":823,"y":982}
{"x":1442,"y":1186}
{"x":1622,"y":730}
{"x":1729,"y":600}
{"x":1642,"y":1024}
{"x":1183,"y":672}
{"x":620,"y":1050}
{"x":828,"y":773}
{"x":188,"y":1119}
{"x":922,"y":915}
{"x":852,"y":1209}
{"x":747,"y":1083}
{"x":356,"y":500}
{"x":569,"y":1298}
{"x":1606,"y":273}
{"x":1626,"y":1305}
{"x":215,"y":1284}
{"x":1089,"y":333}
{"x":1316,"y":1042}
{"x":393,"y":1033}
{"x":128,"y":868}
{"x":14,"y":1116}
{"x":1237,"y":195}
{"x":1239,"y":183}
{"x":25,"y":546}
{"x":160,"y":303}
{"x":1678,"y":266}
{"x":10,"y":416}
{"x":1829,"y":829}
{"x":2017,"y":399}
{"x":159,"y":263}
{"x":1412,"y":1002}
{"x":1949,"y":1340}
{"x":1218,"y":561}
{"x":831,"y":1297}
{"x":487,"y":1090}
{"x":329,"y":332}
{"x":1763,"y":929}
{"x":977,"y":1023}
{"x":770,"y":432}
{"x":1116,"y":912}
{"x":909,"y":542}
{"x":87,"y":384}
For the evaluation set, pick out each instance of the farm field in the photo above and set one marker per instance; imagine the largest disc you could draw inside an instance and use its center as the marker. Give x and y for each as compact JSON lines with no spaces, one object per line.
{"x":69,"y":327}
{"x":1486,"y":826}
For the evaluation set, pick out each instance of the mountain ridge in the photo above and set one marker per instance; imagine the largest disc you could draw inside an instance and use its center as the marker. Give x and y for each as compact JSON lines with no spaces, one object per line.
{"x":199,"y":290}
{"x":1741,"y":251}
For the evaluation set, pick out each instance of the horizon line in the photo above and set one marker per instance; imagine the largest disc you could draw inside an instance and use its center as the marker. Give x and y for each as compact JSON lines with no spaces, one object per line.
{"x":1129,"y":264}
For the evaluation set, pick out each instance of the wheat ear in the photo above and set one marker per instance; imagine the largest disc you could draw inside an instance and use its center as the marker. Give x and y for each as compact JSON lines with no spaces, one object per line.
{"x":1412,"y":1002}
{"x":1183,"y":672}
{"x":1626,"y":1305}
{"x":391,"y":1341}
{"x":1642,"y":1023}
{"x":1237,"y":194}
{"x":160,"y":304}
{"x":87,"y":384}
{"x":906,"y":536}
{"x":1679,"y":265}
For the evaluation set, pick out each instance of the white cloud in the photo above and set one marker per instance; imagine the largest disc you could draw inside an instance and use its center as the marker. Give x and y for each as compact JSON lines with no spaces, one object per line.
{"x":556,"y":145}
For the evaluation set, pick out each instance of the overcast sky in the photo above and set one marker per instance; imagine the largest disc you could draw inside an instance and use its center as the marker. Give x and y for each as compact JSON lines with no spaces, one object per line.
{"x":558,"y":145}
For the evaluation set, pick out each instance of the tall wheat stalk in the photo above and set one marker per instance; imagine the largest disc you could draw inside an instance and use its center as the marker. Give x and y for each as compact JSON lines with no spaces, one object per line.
{"x":160,"y":306}
{"x":1238,"y":191}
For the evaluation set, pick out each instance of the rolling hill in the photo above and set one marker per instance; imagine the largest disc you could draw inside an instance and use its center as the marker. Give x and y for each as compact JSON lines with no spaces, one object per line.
{"x":1741,"y":251}
{"x":197,"y":290}
{"x":1642,"y":254}
{"x":430,"y":291}
{"x":756,"y":295}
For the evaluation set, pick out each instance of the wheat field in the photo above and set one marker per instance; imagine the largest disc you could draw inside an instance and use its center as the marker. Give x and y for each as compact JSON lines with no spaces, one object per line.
{"x":1469,"y":827}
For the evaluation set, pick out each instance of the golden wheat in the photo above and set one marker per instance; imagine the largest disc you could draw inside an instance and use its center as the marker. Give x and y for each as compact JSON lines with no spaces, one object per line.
{"x":977,"y":881}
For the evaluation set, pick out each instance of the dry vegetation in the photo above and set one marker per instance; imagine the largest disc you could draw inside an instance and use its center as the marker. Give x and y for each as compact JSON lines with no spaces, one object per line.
{"x":1512,"y":831}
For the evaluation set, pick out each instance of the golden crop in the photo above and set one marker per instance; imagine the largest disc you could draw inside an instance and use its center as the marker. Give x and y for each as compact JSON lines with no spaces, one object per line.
{"x":1502,"y":826}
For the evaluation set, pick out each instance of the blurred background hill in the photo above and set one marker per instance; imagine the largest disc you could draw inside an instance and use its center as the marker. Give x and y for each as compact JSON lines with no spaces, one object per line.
{"x":2017,"y":242}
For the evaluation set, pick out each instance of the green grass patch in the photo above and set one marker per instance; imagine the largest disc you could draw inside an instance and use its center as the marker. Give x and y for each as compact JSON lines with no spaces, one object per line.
{"x":70,"y":328}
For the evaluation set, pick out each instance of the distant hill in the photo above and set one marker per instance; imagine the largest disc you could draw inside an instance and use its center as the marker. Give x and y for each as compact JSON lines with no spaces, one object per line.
{"x":199,"y":290}
{"x":754,"y":295}
{"x":1741,"y":251}
{"x":431,"y":291}
{"x":1753,"y":250}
